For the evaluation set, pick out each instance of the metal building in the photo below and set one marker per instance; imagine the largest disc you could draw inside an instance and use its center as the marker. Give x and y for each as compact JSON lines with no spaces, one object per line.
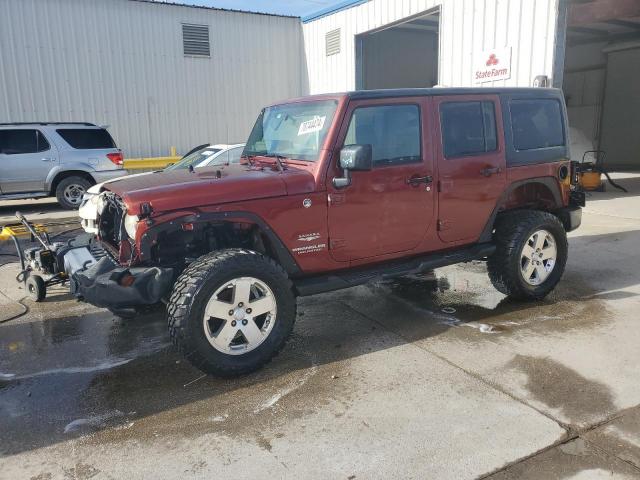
{"x":163,"y":74}
{"x":158,"y":74}
{"x":590,"y":48}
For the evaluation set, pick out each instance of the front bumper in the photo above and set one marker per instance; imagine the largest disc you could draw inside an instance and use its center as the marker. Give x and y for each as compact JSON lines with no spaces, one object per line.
{"x":106,"y":284}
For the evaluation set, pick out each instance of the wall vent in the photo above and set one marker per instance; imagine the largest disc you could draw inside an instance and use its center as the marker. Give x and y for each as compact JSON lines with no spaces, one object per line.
{"x":195,"y":40}
{"x":333,"y":42}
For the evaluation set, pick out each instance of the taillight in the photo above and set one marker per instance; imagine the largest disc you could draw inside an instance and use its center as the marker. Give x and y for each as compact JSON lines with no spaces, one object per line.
{"x":116,"y":158}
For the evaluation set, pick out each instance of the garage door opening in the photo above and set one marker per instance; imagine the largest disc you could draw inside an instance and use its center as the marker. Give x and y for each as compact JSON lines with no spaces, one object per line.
{"x":602,"y":68}
{"x":404,"y":55}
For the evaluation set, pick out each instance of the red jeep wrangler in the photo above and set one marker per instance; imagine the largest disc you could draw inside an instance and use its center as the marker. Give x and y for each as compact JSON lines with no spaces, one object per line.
{"x":335,"y":191}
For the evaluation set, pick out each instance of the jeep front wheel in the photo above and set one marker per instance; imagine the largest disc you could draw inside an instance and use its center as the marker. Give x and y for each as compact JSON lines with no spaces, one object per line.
{"x":531,"y":253}
{"x":231,"y":312}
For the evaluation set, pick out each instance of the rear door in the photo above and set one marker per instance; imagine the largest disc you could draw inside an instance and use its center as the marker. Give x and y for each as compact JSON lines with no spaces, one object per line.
{"x":26,"y":157}
{"x":471,"y":164}
{"x":390,"y":208}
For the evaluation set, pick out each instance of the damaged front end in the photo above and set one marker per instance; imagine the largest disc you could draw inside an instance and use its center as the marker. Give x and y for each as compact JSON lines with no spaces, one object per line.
{"x":105,"y":277}
{"x":105,"y":284}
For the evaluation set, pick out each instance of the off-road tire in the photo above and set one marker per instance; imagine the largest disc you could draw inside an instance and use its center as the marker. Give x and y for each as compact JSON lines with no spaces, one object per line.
{"x":191,"y":292}
{"x":64,"y":184}
{"x":512,"y":230}
{"x":36,"y":288}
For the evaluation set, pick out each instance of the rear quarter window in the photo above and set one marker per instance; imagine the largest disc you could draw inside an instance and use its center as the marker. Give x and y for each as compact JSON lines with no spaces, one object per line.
{"x":87,"y":138}
{"x":536,"y":124}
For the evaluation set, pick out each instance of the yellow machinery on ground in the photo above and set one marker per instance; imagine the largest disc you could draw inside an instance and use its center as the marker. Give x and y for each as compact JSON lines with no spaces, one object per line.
{"x":590,"y":173}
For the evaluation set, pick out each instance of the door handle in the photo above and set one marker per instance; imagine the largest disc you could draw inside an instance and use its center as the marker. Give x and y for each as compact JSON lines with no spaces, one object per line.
{"x":47,"y":159}
{"x":415,"y":181}
{"x":487,"y":172}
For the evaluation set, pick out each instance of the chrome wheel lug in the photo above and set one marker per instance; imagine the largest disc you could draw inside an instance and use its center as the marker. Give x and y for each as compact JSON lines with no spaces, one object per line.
{"x":230,"y":313}
{"x":233,"y":323}
{"x":248,"y":311}
{"x":244,"y":322}
{"x":240,"y":305}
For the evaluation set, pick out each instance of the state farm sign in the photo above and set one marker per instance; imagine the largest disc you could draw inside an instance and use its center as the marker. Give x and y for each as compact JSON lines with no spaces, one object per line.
{"x":492,"y":65}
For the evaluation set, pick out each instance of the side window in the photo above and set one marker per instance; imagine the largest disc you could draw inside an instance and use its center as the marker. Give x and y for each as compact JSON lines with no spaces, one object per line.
{"x":536,"y":123}
{"x":393,"y":131}
{"x":87,"y":138}
{"x":234,"y":155}
{"x":20,"y":141}
{"x":468,"y":128}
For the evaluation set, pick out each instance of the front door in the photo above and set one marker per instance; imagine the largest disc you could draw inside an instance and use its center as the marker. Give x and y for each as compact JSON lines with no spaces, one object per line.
{"x":26,"y":157}
{"x":471,"y":164}
{"x":390,"y":208}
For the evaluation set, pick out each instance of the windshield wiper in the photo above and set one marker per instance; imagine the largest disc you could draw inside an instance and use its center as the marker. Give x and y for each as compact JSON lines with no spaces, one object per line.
{"x":279,"y":160}
{"x":250,"y":158}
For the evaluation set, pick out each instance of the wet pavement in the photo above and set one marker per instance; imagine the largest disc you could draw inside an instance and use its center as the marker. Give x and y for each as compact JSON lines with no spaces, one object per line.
{"x":430,"y":376}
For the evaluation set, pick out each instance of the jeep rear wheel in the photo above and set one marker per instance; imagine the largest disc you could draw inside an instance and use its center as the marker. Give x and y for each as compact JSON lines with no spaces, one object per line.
{"x":531,"y":253}
{"x":231,"y":312}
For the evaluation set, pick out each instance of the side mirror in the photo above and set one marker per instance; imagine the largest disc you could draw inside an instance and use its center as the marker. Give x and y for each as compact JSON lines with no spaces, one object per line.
{"x":353,"y":158}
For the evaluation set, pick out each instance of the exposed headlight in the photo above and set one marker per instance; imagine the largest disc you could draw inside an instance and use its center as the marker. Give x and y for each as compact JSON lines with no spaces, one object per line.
{"x":131,"y":225}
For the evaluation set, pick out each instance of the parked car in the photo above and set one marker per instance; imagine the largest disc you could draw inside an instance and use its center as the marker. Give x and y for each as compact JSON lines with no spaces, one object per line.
{"x":338,"y":190}
{"x":55,"y":159}
{"x":201,"y":156}
{"x":210,"y":155}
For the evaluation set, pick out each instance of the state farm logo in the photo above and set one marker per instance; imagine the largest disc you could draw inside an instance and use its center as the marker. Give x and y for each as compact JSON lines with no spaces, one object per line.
{"x":492,"y":65}
{"x":493,"y":60}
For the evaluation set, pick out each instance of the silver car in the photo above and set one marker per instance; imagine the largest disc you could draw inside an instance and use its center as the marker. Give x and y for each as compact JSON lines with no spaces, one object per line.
{"x":55,"y":159}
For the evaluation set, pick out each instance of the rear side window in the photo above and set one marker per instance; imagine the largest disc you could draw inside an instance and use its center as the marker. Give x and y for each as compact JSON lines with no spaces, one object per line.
{"x":87,"y":138}
{"x":468,"y":128}
{"x":536,"y":124}
{"x":393,"y":131}
{"x":14,"y":142}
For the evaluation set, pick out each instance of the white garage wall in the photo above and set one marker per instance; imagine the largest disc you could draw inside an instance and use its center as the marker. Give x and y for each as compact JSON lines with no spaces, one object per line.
{"x":468,"y":27}
{"x":121,"y":63}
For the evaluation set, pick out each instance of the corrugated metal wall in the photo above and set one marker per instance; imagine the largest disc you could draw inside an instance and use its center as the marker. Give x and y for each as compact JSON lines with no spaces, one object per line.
{"x":121,"y":63}
{"x":467,"y":28}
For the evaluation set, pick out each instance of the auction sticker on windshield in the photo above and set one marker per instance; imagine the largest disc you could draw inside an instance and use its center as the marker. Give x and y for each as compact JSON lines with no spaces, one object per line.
{"x":314,"y":125}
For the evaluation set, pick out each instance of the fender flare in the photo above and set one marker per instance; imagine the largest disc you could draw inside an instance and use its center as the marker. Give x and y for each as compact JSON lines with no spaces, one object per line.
{"x":68,"y":167}
{"x":550,"y":182}
{"x":283,"y":255}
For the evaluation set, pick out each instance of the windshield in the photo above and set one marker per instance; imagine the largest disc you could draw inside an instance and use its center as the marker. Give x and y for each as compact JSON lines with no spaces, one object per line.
{"x":295,"y":130}
{"x":194,"y":158}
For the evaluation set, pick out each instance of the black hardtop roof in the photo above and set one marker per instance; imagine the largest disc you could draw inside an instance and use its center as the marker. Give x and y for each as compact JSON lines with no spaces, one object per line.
{"x":417,"y":92}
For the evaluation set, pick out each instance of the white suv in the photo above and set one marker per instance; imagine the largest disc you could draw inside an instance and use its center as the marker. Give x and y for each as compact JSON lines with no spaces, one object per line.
{"x":61,"y":159}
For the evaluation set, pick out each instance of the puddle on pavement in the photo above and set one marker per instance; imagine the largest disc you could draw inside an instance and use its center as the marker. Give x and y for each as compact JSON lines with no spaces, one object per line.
{"x":100,"y":379}
{"x":579,"y":400}
{"x":462,"y":296}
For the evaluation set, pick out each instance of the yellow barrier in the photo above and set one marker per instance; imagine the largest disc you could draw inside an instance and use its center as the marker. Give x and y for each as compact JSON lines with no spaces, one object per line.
{"x":152,"y":162}
{"x":19,"y":230}
{"x":149,"y":163}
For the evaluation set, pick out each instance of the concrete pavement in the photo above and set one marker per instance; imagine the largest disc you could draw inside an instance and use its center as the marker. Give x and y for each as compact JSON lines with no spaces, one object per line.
{"x":44,"y":210}
{"x":435,"y":376}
